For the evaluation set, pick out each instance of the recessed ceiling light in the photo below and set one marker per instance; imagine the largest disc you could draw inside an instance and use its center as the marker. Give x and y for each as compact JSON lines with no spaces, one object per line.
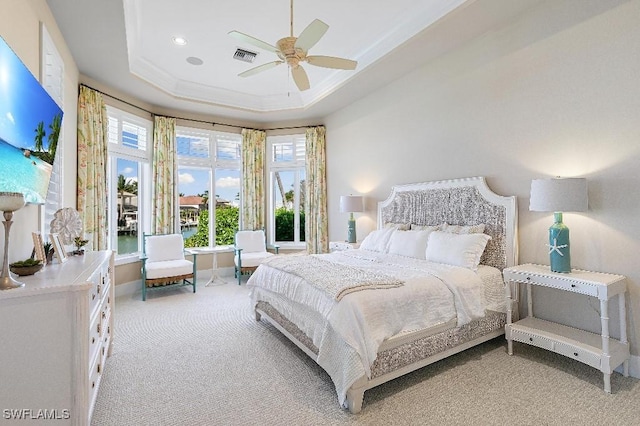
{"x":180,"y":41}
{"x":195,"y":61}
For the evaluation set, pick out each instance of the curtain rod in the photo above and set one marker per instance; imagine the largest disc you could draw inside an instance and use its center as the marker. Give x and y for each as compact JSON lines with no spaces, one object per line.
{"x":213,"y":123}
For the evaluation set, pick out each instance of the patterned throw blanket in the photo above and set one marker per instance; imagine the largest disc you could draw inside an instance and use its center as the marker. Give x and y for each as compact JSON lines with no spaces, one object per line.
{"x":335,"y":279}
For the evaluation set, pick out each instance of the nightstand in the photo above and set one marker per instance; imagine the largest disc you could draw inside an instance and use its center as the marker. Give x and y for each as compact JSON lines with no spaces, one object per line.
{"x":599,"y":351}
{"x":342,"y":246}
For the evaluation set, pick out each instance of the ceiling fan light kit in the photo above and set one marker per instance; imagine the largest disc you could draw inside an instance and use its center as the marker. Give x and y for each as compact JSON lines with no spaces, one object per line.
{"x":293,"y":51}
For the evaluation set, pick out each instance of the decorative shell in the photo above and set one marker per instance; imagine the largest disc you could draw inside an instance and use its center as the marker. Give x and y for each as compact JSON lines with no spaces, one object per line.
{"x":68,"y":224}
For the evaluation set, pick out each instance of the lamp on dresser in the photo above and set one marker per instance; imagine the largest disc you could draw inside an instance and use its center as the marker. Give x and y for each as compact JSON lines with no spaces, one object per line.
{"x":351,"y":204}
{"x":559,"y":195}
{"x":9,"y":202}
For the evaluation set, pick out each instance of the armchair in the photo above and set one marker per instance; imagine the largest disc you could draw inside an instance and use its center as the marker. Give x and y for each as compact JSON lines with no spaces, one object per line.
{"x":163,"y":263}
{"x":250,"y":250}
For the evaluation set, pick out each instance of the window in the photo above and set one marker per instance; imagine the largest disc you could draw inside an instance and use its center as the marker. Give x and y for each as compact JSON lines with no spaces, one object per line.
{"x":286,"y":195}
{"x":129,"y":182}
{"x":208,"y":163}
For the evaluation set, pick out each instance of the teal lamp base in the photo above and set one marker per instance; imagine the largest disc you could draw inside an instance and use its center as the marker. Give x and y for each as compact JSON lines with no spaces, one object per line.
{"x":559,"y":248}
{"x":351,"y":231}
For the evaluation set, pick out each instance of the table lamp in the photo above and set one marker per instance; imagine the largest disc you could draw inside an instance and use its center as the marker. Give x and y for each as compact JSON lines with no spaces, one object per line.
{"x":559,"y":195}
{"x":351,"y":204}
{"x":9,"y":202}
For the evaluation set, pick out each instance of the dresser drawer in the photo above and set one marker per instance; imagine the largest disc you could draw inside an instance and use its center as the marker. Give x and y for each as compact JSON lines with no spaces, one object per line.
{"x":95,"y":338}
{"x":95,"y":375}
{"x":96,"y":292}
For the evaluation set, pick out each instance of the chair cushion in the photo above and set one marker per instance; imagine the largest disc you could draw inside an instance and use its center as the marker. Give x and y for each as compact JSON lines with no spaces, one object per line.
{"x":168,"y":268}
{"x":249,"y":260}
{"x":164,"y":247}
{"x":251,"y":241}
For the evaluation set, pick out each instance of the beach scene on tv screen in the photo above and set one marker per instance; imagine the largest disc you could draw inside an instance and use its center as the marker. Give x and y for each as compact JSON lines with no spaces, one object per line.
{"x":30,"y":123}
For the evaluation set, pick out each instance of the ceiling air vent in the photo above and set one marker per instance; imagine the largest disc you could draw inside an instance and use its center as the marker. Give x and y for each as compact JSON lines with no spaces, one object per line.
{"x":244,"y":55}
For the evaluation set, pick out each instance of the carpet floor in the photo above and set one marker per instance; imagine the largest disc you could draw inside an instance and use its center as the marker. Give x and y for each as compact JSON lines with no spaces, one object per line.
{"x":202,"y":359}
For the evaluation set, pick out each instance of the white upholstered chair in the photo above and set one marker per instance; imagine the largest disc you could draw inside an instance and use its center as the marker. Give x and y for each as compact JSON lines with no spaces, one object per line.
{"x":163,"y":263}
{"x":250,"y":250}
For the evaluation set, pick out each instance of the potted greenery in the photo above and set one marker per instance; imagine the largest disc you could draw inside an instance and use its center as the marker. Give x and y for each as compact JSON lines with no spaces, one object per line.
{"x":48,"y":252}
{"x":26,"y":267}
{"x":79,"y":242}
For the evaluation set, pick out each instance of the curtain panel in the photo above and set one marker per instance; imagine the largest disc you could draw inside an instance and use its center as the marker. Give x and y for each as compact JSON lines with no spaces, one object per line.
{"x":164,"y":174}
{"x":253,"y":191}
{"x":92,"y":166}
{"x":315,"y":209}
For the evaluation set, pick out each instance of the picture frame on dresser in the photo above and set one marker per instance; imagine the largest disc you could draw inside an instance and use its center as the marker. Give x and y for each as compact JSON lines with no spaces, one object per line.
{"x":58,"y":247}
{"x":38,"y":247}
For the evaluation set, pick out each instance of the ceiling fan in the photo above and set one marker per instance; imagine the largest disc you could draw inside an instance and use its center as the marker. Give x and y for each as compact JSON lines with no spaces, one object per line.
{"x":293,"y":51}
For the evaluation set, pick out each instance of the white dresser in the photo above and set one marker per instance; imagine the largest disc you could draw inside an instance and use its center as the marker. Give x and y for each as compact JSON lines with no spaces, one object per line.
{"x":55,"y":335}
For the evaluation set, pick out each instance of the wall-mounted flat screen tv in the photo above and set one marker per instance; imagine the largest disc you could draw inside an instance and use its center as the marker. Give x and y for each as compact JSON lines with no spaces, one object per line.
{"x":30,"y":123}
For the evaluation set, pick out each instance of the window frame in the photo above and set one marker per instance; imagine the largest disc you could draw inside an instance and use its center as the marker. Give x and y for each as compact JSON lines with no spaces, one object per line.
{"x":142,"y":157}
{"x":298,"y":167}
{"x":213,"y":164}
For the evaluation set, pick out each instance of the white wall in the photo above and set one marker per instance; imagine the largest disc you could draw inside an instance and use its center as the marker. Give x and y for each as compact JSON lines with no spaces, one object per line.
{"x":556,"y":92}
{"x":20,"y":27}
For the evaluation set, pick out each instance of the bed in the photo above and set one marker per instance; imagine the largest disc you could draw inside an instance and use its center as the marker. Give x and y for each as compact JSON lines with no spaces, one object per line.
{"x":425,"y":285}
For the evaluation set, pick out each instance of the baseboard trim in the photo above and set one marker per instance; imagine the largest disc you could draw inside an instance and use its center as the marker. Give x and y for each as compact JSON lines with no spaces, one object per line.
{"x":634,"y":367}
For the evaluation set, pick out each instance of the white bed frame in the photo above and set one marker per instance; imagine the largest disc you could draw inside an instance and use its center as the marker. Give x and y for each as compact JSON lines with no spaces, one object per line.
{"x":475,"y":190}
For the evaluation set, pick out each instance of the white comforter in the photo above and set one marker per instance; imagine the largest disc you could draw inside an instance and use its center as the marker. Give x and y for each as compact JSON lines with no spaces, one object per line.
{"x":432,"y":294}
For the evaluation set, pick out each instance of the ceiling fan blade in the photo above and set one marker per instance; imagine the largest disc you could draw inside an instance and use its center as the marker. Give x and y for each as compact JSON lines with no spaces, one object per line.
{"x":260,"y":68}
{"x":300,"y":78}
{"x":311,"y":35}
{"x":254,"y":41}
{"x":332,"y":62}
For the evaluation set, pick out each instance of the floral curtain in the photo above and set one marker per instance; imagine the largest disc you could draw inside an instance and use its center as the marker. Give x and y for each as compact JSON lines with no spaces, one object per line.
{"x":92,"y":166}
{"x":315,"y":209}
{"x":164,"y":172}
{"x":253,"y":192}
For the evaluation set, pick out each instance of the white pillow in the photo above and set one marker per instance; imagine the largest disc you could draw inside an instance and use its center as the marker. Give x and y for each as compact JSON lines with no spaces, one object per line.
{"x":394,"y":225}
{"x":377,"y":240}
{"x":409,"y":243}
{"x":415,"y":227}
{"x":463,"y":229}
{"x":456,"y":249}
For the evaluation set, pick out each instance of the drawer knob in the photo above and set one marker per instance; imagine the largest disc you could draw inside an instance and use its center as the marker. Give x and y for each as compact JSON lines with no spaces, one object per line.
{"x":93,"y":340}
{"x":575,"y":354}
{"x":528,"y":278}
{"x":573,"y":285}
{"x":531,"y":339}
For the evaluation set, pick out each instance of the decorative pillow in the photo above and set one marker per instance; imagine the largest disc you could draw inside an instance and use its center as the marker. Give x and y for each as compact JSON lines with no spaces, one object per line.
{"x":463,"y":229}
{"x":377,"y":240}
{"x":456,"y":249}
{"x":409,"y":243}
{"x":415,"y":227}
{"x":401,"y":226}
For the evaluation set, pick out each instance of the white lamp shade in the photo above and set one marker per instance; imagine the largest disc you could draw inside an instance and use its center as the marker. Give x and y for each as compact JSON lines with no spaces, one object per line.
{"x":559,"y":195}
{"x":351,"y":203}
